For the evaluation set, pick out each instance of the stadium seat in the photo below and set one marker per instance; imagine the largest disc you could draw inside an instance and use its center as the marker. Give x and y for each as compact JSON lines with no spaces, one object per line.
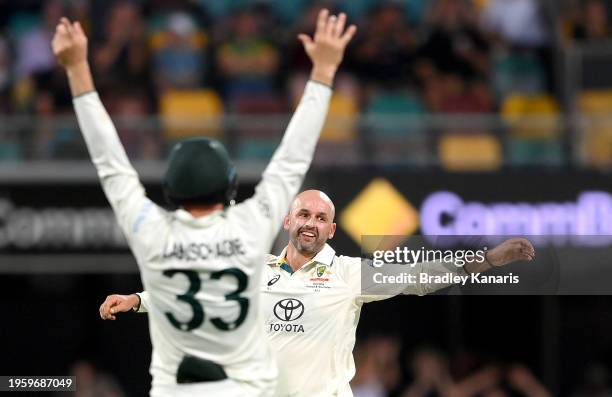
{"x":534,"y":152}
{"x":470,"y":152}
{"x":395,"y":131}
{"x":187,"y":113}
{"x":595,"y":102}
{"x":355,"y":9}
{"x":521,"y":73}
{"x":220,"y":9}
{"x":387,"y":107}
{"x":341,"y":119}
{"x":337,"y":153}
{"x":595,"y":145}
{"x":596,"y":148}
{"x":257,"y":138}
{"x":531,"y":116}
{"x":416,"y":10}
{"x":21,"y":22}
{"x":481,"y":4}
{"x":10,"y":151}
{"x":256,"y":149}
{"x":288,"y":11}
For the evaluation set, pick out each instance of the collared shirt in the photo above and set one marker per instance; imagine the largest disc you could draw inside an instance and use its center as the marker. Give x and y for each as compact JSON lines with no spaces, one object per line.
{"x":311,"y":318}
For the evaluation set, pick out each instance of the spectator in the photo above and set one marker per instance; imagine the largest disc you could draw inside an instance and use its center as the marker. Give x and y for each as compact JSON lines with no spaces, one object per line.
{"x":5,"y":74}
{"x":43,"y":146}
{"x":33,"y":50}
{"x":521,"y":379}
{"x":367,"y":381}
{"x":596,"y":382}
{"x":454,"y":44}
{"x":297,"y":60}
{"x":122,"y":59}
{"x":465,"y":97}
{"x":430,"y":375}
{"x":130,"y":108}
{"x":247,"y":60}
{"x":91,"y":383}
{"x":593,"y":24}
{"x":518,"y":22}
{"x":380,"y":373}
{"x":179,"y":53}
{"x":384,"y":54}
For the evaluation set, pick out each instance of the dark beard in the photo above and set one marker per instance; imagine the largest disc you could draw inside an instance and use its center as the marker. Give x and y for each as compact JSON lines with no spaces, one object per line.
{"x":295,"y":240}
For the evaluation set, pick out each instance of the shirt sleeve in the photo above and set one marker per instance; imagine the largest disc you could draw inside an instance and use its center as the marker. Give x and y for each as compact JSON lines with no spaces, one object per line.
{"x":285,"y":173}
{"x":366,"y":286}
{"x":144,"y":302}
{"x":119,"y":179}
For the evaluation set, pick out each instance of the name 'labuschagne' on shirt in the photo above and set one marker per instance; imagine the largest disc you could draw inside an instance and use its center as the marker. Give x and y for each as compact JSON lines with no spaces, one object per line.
{"x":201,"y":251}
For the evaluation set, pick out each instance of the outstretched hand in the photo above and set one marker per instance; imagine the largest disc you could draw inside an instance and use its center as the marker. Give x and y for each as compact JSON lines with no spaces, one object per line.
{"x":512,"y":250}
{"x":114,"y":304}
{"x":326,"y":48}
{"x":69,"y":43}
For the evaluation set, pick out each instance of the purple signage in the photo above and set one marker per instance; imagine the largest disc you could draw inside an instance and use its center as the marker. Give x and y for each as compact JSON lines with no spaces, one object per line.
{"x":588,"y":221}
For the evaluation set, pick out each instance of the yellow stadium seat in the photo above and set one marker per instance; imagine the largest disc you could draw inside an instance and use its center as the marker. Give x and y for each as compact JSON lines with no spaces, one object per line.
{"x":597,"y":147}
{"x":187,"y":113}
{"x":596,"y":136}
{"x":531,"y":116}
{"x":481,"y":4}
{"x":470,"y":152}
{"x":341,"y":120}
{"x":595,"y":101}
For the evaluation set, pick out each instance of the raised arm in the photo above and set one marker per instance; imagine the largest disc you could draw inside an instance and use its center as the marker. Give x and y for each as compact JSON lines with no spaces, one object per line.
{"x":511,"y":250}
{"x":119,"y":179}
{"x":285,"y":173}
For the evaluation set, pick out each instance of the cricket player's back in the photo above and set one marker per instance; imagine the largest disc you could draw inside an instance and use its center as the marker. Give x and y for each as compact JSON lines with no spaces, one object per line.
{"x":203,"y":276}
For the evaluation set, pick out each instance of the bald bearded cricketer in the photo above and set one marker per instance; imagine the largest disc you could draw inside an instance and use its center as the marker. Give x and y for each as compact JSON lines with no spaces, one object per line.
{"x":312,"y":299}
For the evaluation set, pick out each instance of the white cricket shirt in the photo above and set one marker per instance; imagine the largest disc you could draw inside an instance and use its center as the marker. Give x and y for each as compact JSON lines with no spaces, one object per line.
{"x":311,"y":318}
{"x":203,"y":275}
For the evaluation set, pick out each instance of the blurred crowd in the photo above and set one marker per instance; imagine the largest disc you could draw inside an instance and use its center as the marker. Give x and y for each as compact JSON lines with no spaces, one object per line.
{"x":430,"y":372}
{"x":412,"y":57}
{"x":385,"y":369}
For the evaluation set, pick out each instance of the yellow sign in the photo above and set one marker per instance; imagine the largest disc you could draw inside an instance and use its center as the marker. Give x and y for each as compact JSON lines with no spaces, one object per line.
{"x":379,"y":210}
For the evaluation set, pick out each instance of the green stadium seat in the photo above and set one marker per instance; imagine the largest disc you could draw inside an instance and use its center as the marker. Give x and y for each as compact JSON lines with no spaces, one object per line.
{"x":395,"y":131}
{"x":256,"y":149}
{"x":534,"y":152}
{"x":10,"y":151}
{"x":521,"y":73}
{"x":386,"y":108}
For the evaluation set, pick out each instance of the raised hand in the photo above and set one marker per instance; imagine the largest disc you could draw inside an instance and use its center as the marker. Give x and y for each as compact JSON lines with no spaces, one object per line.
{"x":69,"y":43}
{"x":326,"y":49}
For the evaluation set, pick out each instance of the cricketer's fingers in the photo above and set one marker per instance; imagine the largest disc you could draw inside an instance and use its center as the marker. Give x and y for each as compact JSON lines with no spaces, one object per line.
{"x":339,"y":26}
{"x":321,"y":22}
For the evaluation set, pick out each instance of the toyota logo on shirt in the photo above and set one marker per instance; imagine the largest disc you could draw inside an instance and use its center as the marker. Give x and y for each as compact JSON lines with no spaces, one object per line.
{"x":288,"y":309}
